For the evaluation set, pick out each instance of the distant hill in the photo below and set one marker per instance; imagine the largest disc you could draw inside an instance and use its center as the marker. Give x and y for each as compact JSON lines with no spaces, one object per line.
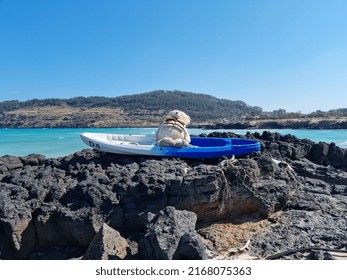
{"x":149,"y":109}
{"x":144,"y":109}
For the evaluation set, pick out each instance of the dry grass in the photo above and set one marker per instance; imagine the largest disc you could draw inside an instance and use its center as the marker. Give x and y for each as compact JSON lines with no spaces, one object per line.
{"x":66,"y":116}
{"x":56,"y":116}
{"x":228,"y":238}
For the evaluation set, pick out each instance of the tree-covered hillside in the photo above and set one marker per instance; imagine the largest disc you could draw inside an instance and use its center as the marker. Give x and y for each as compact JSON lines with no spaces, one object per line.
{"x":200,"y":107}
{"x":149,"y":109}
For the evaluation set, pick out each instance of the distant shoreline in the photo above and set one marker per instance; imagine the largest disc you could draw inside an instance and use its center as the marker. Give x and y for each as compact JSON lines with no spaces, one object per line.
{"x":314,"y":124}
{"x":149,"y":109}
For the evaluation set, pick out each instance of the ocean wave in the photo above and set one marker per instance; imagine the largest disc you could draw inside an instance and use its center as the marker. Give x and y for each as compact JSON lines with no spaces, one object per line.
{"x":342,"y":144}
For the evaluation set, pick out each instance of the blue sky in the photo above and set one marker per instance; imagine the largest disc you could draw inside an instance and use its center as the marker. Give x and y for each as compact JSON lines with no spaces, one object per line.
{"x":289,"y":54}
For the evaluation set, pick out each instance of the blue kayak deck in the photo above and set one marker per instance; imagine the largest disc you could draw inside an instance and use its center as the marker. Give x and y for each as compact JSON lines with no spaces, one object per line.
{"x":206,"y":147}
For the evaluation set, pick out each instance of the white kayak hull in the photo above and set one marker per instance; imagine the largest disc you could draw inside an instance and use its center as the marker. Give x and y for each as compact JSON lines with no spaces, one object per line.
{"x":202,"y":147}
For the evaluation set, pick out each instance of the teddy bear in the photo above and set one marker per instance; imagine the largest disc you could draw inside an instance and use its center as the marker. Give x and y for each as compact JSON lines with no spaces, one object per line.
{"x":173,"y":132}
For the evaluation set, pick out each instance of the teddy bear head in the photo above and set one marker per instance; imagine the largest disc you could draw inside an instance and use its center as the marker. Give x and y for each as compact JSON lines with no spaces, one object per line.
{"x":179,"y":116}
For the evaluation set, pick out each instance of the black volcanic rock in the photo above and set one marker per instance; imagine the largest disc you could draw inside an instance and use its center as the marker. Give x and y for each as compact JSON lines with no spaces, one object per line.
{"x":294,"y":189}
{"x":164,"y":233}
{"x":282,"y":124}
{"x":108,"y":244}
{"x":190,"y":247}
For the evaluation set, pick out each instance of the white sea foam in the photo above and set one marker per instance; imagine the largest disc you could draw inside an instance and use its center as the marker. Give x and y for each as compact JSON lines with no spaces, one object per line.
{"x":342,"y":144}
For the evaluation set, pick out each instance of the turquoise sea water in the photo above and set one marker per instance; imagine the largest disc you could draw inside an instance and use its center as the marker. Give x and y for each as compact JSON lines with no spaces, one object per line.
{"x":64,"y":141}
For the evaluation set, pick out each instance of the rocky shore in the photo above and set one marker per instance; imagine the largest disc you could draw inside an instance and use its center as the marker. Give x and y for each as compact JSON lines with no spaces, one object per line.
{"x":287,"y":202}
{"x":303,"y":123}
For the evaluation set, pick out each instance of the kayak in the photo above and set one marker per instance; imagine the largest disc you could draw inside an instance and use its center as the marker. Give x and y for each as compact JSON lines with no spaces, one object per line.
{"x":200,"y":147}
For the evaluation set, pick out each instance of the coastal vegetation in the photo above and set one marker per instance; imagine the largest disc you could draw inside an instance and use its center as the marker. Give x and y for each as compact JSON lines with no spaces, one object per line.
{"x":148,"y":109}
